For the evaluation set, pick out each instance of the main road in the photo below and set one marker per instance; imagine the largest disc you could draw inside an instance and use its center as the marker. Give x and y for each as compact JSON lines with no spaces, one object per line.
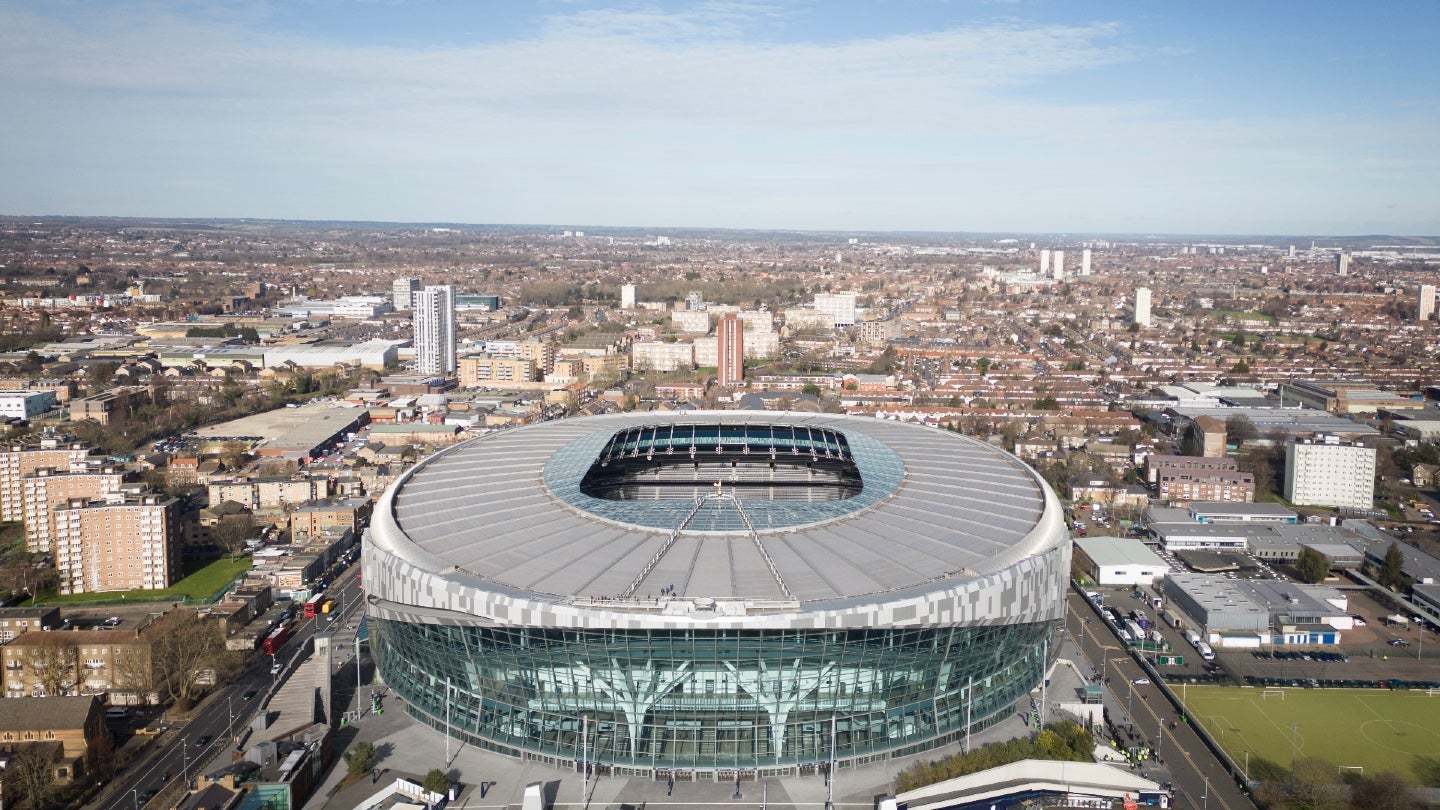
{"x":186,"y":748}
{"x":1200,"y":779}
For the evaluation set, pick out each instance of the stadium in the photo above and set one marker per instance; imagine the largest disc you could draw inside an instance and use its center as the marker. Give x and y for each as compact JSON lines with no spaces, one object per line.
{"x":714,"y":592}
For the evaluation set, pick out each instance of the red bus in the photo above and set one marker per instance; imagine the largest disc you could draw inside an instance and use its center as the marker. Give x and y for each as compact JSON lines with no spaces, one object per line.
{"x":275,"y":640}
{"x":312,"y":606}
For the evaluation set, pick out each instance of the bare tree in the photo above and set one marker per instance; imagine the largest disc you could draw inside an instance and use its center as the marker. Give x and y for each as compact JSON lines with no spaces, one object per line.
{"x":55,"y":664}
{"x":100,"y":758}
{"x":31,"y":772}
{"x":133,"y":672}
{"x":184,"y":648}
{"x":231,"y":533}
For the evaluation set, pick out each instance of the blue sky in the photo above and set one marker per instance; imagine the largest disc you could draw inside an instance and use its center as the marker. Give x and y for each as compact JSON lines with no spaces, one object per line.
{"x":1220,"y":117}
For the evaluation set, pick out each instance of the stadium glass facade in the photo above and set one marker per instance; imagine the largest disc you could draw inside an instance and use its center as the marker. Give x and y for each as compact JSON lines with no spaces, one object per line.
{"x":709,"y":699}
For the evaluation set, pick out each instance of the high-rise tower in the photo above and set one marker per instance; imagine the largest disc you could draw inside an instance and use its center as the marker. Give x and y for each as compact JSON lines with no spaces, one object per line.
{"x":731,"y":350}
{"x":435,"y":330}
{"x":1142,"y":306}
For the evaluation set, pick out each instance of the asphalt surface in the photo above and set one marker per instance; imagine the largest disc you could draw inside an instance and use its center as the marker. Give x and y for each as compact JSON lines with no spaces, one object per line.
{"x":223,"y":714}
{"x":1200,"y":780}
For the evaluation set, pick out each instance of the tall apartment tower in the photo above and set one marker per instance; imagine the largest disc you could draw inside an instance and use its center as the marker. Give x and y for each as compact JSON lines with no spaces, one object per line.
{"x":731,"y":350}
{"x":1325,"y":471}
{"x":18,"y":461}
{"x":402,"y":293}
{"x":1427,"y":302}
{"x":1342,"y":263}
{"x":1085,"y":262}
{"x":1044,"y":261}
{"x":435,"y":330}
{"x":627,"y":296}
{"x":1292,"y":251}
{"x":1059,"y":265}
{"x":46,"y":489}
{"x":120,"y":543}
{"x":841,"y":306}
{"x":1142,"y":306}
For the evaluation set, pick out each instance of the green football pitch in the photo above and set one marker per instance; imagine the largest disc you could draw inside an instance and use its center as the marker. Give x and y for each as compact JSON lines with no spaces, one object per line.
{"x":1374,"y":729}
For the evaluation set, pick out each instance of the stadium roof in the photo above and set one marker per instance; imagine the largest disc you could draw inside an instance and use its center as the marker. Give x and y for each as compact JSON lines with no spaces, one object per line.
{"x":935,"y":506}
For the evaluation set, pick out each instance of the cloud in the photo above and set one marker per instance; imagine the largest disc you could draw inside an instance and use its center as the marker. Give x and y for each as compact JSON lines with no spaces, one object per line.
{"x":630,"y":115}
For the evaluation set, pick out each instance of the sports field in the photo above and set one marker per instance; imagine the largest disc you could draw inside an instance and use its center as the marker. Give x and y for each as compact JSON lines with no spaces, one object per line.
{"x":1377,"y":729}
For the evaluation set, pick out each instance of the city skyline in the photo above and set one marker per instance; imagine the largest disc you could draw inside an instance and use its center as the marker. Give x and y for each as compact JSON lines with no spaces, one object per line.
{"x":966,"y":117}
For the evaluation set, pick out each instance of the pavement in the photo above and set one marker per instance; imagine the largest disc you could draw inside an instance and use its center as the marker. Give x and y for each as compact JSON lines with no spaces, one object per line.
{"x":407,"y":747}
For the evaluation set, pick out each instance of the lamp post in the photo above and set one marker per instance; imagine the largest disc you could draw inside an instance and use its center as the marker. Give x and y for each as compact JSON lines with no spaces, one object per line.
{"x":230,"y":704}
{"x":1205,"y":798}
{"x":185,"y":753}
{"x":135,"y":794}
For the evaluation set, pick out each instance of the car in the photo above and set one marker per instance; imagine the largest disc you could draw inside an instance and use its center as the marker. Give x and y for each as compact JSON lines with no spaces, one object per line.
{"x":276,"y":667}
{"x":1399,"y":642}
{"x":249,"y":693}
{"x":1141,"y":682}
{"x":145,"y":797}
{"x":113,"y":621}
{"x":203,"y":740}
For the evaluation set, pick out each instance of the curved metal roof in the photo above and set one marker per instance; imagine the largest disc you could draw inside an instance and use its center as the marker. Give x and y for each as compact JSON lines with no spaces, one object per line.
{"x":940,"y":506}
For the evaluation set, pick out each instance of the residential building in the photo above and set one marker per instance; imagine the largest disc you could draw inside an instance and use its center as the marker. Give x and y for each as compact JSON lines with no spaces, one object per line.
{"x":18,"y":461}
{"x":1426,"y":308}
{"x":841,"y":307}
{"x":627,"y":296}
{"x":312,"y":519}
{"x":434,"y":322}
{"x":661,"y":356}
{"x":55,"y":663}
{"x":402,"y":292}
{"x":46,"y":488}
{"x":17,"y":620}
{"x":119,"y":543}
{"x":1183,"y":486}
{"x":1325,"y":471}
{"x":110,"y":406}
{"x":731,"y":351}
{"x":269,"y":492}
{"x":1142,"y":306}
{"x":488,"y":370}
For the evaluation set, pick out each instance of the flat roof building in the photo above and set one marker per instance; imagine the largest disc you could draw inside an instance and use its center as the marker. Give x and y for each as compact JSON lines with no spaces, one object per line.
{"x":1120,"y":561}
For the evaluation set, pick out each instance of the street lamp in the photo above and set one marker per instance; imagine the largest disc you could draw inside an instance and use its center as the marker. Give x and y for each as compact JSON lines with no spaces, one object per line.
{"x":185,"y":753}
{"x":1205,"y":798}
{"x":230,"y":704}
{"x":135,"y":794}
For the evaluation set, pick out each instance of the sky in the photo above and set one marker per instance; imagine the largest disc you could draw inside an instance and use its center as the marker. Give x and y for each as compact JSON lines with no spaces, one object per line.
{"x":1279,"y":117}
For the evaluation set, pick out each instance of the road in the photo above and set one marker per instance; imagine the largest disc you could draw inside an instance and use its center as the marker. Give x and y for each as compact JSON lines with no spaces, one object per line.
{"x":1200,"y":779}
{"x":225,"y":712}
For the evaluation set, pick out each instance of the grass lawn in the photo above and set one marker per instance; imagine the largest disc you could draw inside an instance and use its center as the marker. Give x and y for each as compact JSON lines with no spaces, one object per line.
{"x":202,"y":580}
{"x":1377,"y":729}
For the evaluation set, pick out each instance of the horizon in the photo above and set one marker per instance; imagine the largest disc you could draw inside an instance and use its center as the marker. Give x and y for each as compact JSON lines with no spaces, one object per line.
{"x":1020,"y":117}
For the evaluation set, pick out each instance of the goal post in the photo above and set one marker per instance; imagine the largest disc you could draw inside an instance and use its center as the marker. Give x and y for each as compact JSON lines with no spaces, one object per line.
{"x":1269,"y":693}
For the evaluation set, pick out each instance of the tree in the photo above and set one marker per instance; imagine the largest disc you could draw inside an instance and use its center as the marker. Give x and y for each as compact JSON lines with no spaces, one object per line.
{"x":55,"y":663}
{"x":360,"y":759}
{"x":134,"y":673}
{"x":184,"y":648}
{"x":234,"y":454}
{"x":1239,"y":429}
{"x":812,"y":389}
{"x":1390,"y":574}
{"x":1312,"y":565}
{"x":231,"y":533}
{"x":31,"y":772}
{"x":1311,"y":785}
{"x":100,"y":757}
{"x":436,"y":781}
{"x":1386,"y":790}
